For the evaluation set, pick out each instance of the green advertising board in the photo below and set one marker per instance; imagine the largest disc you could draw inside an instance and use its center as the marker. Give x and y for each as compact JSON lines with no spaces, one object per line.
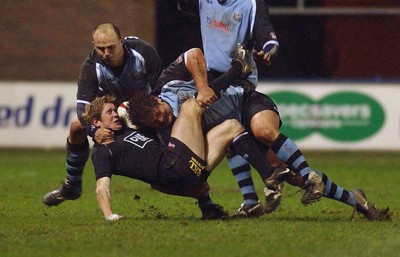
{"x":340,"y":116}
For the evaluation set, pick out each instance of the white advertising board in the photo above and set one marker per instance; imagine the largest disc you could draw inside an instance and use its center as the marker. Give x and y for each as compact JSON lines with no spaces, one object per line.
{"x":348,"y":116}
{"x":36,"y":114}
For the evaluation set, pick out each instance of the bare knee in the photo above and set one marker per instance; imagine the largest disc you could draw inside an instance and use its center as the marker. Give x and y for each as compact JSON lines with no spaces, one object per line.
{"x":190,"y":107}
{"x":266,"y":134}
{"x":233,"y":126}
{"x":265,"y":126}
{"x":77,"y":132}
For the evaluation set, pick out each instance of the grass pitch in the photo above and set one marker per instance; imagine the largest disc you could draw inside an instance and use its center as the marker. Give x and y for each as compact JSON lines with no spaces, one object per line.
{"x":155,"y":224}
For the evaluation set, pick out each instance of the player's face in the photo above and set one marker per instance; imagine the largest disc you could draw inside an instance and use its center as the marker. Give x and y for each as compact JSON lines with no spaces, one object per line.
{"x":109,"y":48}
{"x":163,"y":116}
{"x":109,"y":118}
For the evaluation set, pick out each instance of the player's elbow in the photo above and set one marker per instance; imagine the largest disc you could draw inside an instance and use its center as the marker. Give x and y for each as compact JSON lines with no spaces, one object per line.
{"x":194,"y":54}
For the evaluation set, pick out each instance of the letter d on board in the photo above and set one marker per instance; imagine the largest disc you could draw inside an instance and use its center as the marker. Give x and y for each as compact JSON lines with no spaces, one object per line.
{"x":51,"y":115}
{"x":23,"y":114}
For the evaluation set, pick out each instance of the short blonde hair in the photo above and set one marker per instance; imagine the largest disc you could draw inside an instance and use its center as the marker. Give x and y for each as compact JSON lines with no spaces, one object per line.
{"x":95,"y":108}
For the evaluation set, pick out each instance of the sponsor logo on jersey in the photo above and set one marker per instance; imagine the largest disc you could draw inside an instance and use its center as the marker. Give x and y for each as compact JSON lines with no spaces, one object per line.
{"x":237,"y":16}
{"x":215,"y":24}
{"x":137,"y":139}
{"x":171,"y":145}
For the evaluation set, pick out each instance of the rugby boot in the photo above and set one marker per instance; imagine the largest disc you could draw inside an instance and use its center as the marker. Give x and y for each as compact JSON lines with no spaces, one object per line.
{"x":367,"y":209}
{"x":272,"y":198}
{"x":241,"y":54}
{"x":70,"y":190}
{"x":273,"y":189}
{"x":249,"y":211}
{"x":214,"y":212}
{"x":314,"y":188}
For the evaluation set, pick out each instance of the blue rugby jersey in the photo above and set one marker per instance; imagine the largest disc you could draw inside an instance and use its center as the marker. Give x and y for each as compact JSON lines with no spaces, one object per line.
{"x":237,"y":21}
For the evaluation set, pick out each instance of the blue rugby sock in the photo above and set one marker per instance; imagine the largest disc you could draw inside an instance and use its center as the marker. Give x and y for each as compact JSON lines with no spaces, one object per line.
{"x":336,"y":192}
{"x":288,"y":152}
{"x":77,"y":155}
{"x":242,"y":172}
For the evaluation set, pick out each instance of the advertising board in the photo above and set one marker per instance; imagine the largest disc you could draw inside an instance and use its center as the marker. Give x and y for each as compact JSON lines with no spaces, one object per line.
{"x":328,"y":116}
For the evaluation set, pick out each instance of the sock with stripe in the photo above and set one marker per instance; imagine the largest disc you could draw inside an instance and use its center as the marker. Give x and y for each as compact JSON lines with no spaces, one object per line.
{"x":288,"y":152}
{"x":77,"y":155}
{"x":242,"y":172}
{"x":336,"y":192}
{"x":245,"y":146}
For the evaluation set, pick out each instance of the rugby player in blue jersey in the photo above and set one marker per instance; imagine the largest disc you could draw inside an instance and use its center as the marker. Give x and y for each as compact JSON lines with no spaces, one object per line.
{"x":250,"y":108}
{"x":232,"y":26}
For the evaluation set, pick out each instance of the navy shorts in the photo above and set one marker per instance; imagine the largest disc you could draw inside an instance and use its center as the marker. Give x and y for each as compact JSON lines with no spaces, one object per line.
{"x":181,"y":168}
{"x":228,"y":106}
{"x":255,"y":102}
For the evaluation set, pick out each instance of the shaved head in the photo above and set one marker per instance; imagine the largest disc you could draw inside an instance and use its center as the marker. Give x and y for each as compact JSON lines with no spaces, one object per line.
{"x":106,"y":28}
{"x":108,"y":43}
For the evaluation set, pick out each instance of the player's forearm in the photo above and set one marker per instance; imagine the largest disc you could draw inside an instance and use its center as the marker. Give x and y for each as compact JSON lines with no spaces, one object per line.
{"x":196,"y":65}
{"x":104,"y":202}
{"x":263,"y":28}
{"x":103,"y":197}
{"x":80,"y":109}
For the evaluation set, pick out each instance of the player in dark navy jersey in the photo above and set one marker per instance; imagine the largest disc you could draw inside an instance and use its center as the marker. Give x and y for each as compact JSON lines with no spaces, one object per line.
{"x":182,"y":165}
{"x":116,"y":66}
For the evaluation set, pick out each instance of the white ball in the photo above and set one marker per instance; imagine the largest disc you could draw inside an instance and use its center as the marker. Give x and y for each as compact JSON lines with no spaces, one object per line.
{"x":123,"y":115}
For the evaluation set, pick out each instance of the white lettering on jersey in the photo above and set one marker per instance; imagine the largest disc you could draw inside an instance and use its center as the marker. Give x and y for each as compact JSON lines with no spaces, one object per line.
{"x":137,"y":139}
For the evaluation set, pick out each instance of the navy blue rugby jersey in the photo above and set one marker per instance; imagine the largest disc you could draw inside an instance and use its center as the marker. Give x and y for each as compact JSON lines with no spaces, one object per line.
{"x":132,"y":155}
{"x":142,"y":67}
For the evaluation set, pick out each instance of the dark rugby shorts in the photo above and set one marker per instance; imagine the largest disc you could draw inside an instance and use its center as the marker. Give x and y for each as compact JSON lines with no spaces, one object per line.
{"x":254,"y":103}
{"x":182,"y":169}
